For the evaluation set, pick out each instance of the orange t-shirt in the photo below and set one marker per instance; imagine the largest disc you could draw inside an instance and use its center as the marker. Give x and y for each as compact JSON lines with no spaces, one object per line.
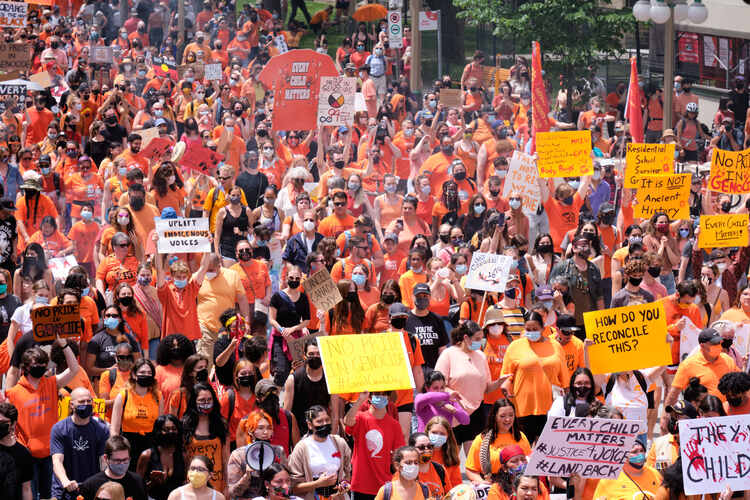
{"x":37,"y":413}
{"x":180,"y":310}
{"x":86,"y":190}
{"x":174,"y":198}
{"x":112,"y":271}
{"x":406,"y":283}
{"x":137,"y":322}
{"x":53,"y":244}
{"x":562,"y":218}
{"x":333,"y":225}
{"x":242,"y":408}
{"x":168,"y":377}
{"x":84,"y":235}
{"x":255,"y":278}
{"x":696,"y":365}
{"x":673,"y":312}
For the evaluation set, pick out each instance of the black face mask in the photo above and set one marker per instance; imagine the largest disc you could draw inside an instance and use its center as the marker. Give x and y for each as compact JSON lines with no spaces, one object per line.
{"x":510,"y":293}
{"x":635,"y":281}
{"x":165,"y":439}
{"x":727,"y":343}
{"x":245,"y":254}
{"x":144,"y":380}
{"x":389,"y":299}
{"x":351,"y":296}
{"x":654,"y":271}
{"x":110,"y":120}
{"x":270,"y":404}
{"x":726,"y":207}
{"x":545,"y":249}
{"x":447,"y":149}
{"x":445,"y":238}
{"x":137,"y":203}
{"x":581,"y":392}
{"x":4,"y":429}
{"x":494,"y":193}
{"x":245,"y":380}
{"x":398,"y":323}
{"x":734,"y":402}
{"x":459,"y":176}
{"x":339,"y":164}
{"x":126,"y":301}
{"x":37,"y":371}
{"x":314,"y":362}
{"x":323,"y":431}
{"x":238,"y":112}
{"x":293,"y":284}
{"x":201,"y":375}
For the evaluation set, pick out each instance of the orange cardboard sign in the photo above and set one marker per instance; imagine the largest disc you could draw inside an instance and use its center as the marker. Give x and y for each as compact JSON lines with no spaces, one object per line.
{"x":50,"y":321}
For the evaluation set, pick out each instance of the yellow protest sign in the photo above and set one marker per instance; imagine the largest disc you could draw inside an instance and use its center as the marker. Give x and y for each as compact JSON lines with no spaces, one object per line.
{"x":628,"y":338}
{"x":564,"y":154}
{"x":366,"y":362}
{"x":647,"y":159}
{"x":730,"y":171}
{"x":720,"y":231}
{"x":663,"y":193}
{"x":63,"y":408}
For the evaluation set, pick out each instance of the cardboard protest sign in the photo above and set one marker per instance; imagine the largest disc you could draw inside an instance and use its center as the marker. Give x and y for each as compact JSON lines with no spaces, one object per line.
{"x":61,"y":266}
{"x":63,"y":408}
{"x":488,"y":272}
{"x":628,"y":338}
{"x":336,"y":101}
{"x":42,"y":78}
{"x":663,"y":193}
{"x":730,"y":172}
{"x":13,"y":14}
{"x":199,"y":157}
{"x":212,"y":71}
{"x":100,"y":54}
{"x":647,"y":159}
{"x":365,"y":362}
{"x":451,"y":98}
{"x":522,"y":178}
{"x":15,"y":57}
{"x":157,"y":148}
{"x":183,"y":235}
{"x":164,"y":69}
{"x":297,"y":346}
{"x":147,"y":135}
{"x":589,"y":447}
{"x":488,"y":76}
{"x":50,"y":321}
{"x":564,"y":154}
{"x":322,"y":291}
{"x":714,"y":454}
{"x":294,"y":78}
{"x":721,"y":231}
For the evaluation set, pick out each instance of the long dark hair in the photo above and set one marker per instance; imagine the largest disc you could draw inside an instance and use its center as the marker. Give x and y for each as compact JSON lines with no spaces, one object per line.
{"x":217,"y":425}
{"x":160,"y":179}
{"x":570,"y":399}
{"x":672,"y":480}
{"x":165,"y":353}
{"x":343,"y":309}
{"x":34,"y":270}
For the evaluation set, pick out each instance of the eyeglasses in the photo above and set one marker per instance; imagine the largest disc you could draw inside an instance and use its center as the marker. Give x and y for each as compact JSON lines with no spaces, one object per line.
{"x":117,"y":316}
{"x":119,"y":461}
{"x":123,"y":245}
{"x":222,"y":178}
{"x":339,"y":204}
{"x":425,"y":447}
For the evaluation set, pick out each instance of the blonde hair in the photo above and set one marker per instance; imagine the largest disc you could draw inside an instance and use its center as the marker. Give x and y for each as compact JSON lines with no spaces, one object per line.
{"x":116,"y":491}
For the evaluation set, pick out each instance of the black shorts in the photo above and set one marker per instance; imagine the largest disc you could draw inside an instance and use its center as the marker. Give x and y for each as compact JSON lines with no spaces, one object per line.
{"x":407,"y":408}
{"x":340,"y":4}
{"x":650,"y":399}
{"x":477,"y":423}
{"x":691,"y":155}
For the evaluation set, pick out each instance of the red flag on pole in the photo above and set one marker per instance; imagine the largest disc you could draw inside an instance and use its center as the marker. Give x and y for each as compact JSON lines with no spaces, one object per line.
{"x":539,"y":105}
{"x":633,"y":105}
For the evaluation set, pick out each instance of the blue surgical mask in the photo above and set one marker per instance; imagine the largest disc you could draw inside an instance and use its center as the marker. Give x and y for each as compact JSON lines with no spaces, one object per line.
{"x":180,"y":283}
{"x":111,"y":323}
{"x":478,"y":209}
{"x":359,"y":279}
{"x":379,"y":401}
{"x":684,"y":233}
{"x":461,"y":269}
{"x":45,"y":170}
{"x":426,"y":189}
{"x":574,"y":184}
{"x":437,"y":440}
{"x":477,"y":344}
{"x":637,"y":460}
{"x":41,"y":300}
{"x":533,"y":335}
{"x":87,"y":215}
{"x":3,"y":289}
{"x":85,"y":291}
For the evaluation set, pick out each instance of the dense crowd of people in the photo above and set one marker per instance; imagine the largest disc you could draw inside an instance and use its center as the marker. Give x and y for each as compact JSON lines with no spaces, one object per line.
{"x":184,"y":365}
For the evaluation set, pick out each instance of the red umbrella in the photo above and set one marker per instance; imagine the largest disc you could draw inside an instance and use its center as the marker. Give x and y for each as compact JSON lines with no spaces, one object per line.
{"x":294,"y":78}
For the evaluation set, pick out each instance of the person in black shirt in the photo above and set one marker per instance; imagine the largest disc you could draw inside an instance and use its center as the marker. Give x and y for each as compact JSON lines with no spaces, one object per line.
{"x":740,"y":101}
{"x":15,"y":474}
{"x":252,"y":182}
{"x":113,"y":131}
{"x":306,"y":387}
{"x":427,"y":326}
{"x":289,"y":314}
{"x":234,"y":343}
{"x":117,"y":453}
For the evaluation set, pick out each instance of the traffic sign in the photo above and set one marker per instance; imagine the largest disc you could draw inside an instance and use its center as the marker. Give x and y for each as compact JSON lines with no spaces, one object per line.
{"x":395,"y":30}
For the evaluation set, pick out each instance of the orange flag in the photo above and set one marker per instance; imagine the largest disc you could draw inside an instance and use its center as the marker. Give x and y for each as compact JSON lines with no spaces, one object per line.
{"x":633,"y":104}
{"x":539,"y":105}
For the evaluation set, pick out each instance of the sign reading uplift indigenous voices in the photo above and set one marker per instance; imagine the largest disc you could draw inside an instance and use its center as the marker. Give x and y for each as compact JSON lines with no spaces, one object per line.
{"x":715,"y":454}
{"x":647,"y":159}
{"x":183,"y":235}
{"x":589,"y":447}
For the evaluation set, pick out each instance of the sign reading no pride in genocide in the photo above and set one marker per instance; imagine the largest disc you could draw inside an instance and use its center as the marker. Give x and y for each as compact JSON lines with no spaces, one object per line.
{"x":589,"y":447}
{"x":183,"y":235}
{"x":721,"y":231}
{"x":715,"y":454}
{"x":52,"y":321}
{"x":628,"y":338}
{"x":366,"y":362}
{"x":730,"y":172}
{"x":322,"y":291}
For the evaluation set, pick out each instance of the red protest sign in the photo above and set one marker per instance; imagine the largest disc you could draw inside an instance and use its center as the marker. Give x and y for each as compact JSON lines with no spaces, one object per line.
{"x":294,"y":78}
{"x":157,"y":148}
{"x":200,"y":158}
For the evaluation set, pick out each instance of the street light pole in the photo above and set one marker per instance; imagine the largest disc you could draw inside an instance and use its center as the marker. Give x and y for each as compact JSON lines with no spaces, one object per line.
{"x":668,"y":112}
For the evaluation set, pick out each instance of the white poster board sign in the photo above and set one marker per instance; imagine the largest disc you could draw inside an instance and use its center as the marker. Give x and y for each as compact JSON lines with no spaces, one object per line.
{"x":522,"y":178}
{"x":715,"y":454}
{"x":61,"y":266}
{"x":13,"y":14}
{"x":589,"y":447}
{"x":488,"y":272}
{"x":183,"y":235}
{"x":212,"y":71}
{"x":688,"y":339}
{"x":336,"y":101}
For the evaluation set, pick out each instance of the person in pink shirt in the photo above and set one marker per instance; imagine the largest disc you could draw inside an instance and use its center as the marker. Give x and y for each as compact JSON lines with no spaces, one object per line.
{"x":467,"y":373}
{"x":369,"y":91}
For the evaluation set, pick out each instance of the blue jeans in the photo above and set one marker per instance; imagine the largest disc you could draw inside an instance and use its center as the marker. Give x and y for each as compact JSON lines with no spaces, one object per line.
{"x":668,"y":281}
{"x":41,"y":485}
{"x":153,"y":345}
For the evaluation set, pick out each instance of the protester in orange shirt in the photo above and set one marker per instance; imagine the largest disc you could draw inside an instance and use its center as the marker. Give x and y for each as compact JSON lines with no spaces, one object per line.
{"x":54,"y":243}
{"x":119,"y":266}
{"x":340,"y":220}
{"x":562,"y":209}
{"x":168,"y":188}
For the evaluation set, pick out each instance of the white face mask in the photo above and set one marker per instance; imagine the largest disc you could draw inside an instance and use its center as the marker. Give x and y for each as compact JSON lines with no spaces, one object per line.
{"x":211,"y":275}
{"x":410,"y":471}
{"x":308,"y":225}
